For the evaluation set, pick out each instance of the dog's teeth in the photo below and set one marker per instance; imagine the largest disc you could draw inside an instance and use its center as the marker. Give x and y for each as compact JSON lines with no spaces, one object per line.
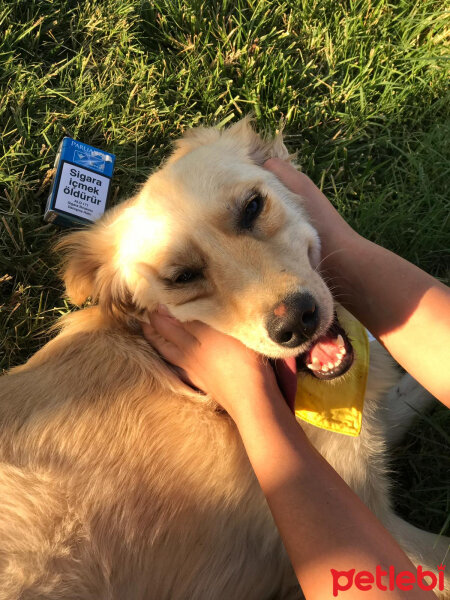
{"x":330,"y":365}
{"x":325,"y":369}
{"x":339,"y":355}
{"x":337,"y":363}
{"x":340,"y":340}
{"x":343,"y":351}
{"x":314,"y":365}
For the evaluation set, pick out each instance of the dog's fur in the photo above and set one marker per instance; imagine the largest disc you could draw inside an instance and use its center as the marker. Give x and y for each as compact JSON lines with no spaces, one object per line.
{"x":115,"y":483}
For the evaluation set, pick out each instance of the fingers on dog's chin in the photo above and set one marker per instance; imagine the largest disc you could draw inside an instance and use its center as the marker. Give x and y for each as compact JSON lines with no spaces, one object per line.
{"x":276,"y":165}
{"x":196,"y":329}
{"x":149,"y":331}
{"x":185,"y":377}
{"x":271,"y":162}
{"x":168,"y":351}
{"x":165,"y":326}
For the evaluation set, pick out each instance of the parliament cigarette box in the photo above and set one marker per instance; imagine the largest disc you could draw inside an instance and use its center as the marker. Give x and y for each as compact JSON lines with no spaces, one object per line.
{"x":80,"y":189}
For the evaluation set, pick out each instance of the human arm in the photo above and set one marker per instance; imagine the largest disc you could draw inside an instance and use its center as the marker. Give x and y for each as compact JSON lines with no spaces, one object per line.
{"x":323,"y":524}
{"x":404,"y":307}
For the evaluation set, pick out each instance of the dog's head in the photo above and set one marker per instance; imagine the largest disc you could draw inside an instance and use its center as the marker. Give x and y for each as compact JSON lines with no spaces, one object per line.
{"x":217,"y":238}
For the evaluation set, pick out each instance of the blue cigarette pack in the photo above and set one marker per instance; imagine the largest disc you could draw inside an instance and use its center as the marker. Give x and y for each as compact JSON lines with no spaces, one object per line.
{"x":80,"y":189}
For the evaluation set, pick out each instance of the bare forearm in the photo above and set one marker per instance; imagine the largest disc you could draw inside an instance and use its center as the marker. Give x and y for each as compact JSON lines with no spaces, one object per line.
{"x":323,"y":524}
{"x":407,"y":309}
{"x":404,"y":307}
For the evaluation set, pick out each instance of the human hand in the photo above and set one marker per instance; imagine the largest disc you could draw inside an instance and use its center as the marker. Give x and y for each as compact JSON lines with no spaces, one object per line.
{"x":236,"y":377}
{"x":333,"y":230}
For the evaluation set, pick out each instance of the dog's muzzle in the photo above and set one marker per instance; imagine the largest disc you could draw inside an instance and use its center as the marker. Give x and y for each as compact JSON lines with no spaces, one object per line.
{"x":294,"y":320}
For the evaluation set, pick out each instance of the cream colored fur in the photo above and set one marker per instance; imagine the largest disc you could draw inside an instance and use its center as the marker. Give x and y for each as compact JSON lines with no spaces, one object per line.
{"x":115,"y":484}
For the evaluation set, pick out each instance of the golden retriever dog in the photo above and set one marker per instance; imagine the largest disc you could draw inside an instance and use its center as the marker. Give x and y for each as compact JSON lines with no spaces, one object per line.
{"x":118,"y":484}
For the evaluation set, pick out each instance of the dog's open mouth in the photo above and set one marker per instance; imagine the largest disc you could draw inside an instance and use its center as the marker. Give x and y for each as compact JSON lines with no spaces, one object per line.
{"x":329,"y":356}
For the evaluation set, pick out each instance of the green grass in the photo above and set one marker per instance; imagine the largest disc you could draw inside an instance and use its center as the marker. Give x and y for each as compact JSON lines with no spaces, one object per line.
{"x":361,"y":87}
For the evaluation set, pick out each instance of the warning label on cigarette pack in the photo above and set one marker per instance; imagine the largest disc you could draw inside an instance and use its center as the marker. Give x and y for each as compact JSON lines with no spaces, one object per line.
{"x":82,"y":192}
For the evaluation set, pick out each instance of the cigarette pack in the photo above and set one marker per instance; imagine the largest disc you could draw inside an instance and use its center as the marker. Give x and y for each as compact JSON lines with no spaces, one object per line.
{"x":80,"y":189}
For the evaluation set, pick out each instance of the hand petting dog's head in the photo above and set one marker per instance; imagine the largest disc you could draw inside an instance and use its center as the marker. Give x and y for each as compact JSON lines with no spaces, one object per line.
{"x":215,"y":237}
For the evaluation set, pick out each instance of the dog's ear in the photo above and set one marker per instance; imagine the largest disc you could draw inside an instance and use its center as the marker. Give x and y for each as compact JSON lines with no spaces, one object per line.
{"x":81,"y":264}
{"x":89,"y":271}
{"x":259,"y":148}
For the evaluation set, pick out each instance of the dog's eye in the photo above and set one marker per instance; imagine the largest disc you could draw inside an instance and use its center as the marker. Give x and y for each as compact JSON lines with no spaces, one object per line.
{"x":188,"y":276}
{"x":251,"y":211}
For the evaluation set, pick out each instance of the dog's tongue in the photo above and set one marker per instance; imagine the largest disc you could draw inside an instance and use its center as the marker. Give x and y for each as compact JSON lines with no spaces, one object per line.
{"x":286,"y":372}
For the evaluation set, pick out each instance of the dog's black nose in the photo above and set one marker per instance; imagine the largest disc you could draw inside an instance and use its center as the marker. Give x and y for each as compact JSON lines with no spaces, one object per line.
{"x":294,"y":320}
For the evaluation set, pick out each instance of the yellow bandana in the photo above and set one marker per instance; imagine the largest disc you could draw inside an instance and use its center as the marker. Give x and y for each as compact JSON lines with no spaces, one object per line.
{"x":337,"y":404}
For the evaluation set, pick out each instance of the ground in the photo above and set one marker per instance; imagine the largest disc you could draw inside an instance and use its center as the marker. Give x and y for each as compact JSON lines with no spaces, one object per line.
{"x":361,"y":88}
